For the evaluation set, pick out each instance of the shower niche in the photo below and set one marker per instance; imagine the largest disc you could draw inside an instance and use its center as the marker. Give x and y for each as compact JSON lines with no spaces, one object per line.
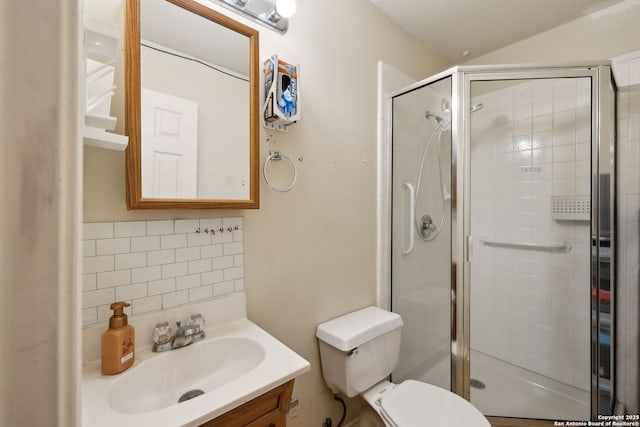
{"x":503,"y":237}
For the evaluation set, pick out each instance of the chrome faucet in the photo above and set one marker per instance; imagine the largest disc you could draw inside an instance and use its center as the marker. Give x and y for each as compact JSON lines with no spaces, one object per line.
{"x":184,"y":335}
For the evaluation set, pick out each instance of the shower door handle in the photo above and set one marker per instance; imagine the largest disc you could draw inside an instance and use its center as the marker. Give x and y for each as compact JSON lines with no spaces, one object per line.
{"x":412,"y":216}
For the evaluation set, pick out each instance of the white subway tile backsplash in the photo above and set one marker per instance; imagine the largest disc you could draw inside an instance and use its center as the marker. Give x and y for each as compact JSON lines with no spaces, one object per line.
{"x":165,"y":256}
{"x":156,"y":228}
{"x":97,"y":264}
{"x":145,"y":244}
{"x":88,"y":248}
{"x":112,"y":246}
{"x":175,"y":298}
{"x":211,"y":251}
{"x":174,"y":270}
{"x":131,"y":260}
{"x":232,"y":222}
{"x":233,"y":248}
{"x":130,"y":229}
{"x":110,"y":279}
{"x":200,"y":293}
{"x":156,"y":265}
{"x":187,"y":282}
{"x":200,"y":239}
{"x":145,"y":305}
{"x":233,"y":273}
{"x":221,"y":238}
{"x":173,"y":241}
{"x":89,"y":282}
{"x":222,"y":262}
{"x":186,"y":226}
{"x":212,"y":277}
{"x":200,"y":266}
{"x":98,"y":297}
{"x":129,"y":292}
{"x":211,"y":223}
{"x":187,"y":254}
{"x":223,"y":288}
{"x":146,"y":274}
{"x":97,"y":230}
{"x":163,"y":286}
{"x":89,"y":316}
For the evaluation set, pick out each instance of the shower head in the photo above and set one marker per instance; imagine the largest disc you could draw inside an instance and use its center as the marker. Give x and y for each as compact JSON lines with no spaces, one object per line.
{"x":477,"y":107}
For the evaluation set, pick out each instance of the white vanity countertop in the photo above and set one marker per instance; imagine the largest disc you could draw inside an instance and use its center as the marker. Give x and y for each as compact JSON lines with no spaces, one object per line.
{"x":280,"y":364}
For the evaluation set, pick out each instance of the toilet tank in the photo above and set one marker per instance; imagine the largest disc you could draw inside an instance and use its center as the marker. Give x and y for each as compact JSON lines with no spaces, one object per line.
{"x":359,"y":349}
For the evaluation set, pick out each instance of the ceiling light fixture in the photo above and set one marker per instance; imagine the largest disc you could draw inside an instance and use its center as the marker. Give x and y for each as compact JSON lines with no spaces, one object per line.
{"x":273,"y":15}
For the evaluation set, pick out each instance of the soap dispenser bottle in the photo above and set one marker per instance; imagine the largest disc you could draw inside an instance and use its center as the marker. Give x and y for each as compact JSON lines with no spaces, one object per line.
{"x":118,"y":342}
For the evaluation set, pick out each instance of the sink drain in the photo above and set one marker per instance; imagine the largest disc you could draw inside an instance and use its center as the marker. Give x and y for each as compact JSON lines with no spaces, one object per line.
{"x":190,"y":395}
{"x":477,"y":384}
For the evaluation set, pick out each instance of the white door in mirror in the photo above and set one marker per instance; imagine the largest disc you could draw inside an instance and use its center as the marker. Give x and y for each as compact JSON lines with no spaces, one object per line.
{"x":169,"y":146}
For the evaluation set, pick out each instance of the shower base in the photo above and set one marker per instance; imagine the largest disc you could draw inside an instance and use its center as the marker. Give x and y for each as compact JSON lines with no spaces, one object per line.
{"x":512,"y":391}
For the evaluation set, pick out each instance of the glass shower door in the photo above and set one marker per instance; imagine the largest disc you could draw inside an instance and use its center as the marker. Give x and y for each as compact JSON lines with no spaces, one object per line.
{"x":530,"y":267}
{"x":422,"y":200}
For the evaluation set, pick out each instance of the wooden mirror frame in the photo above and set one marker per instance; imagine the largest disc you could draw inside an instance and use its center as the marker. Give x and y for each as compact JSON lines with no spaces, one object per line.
{"x":133,"y":114}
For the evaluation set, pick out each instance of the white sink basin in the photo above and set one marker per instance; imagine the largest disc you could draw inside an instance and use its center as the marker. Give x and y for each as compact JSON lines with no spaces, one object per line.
{"x":162,"y":380}
{"x":237,"y":362}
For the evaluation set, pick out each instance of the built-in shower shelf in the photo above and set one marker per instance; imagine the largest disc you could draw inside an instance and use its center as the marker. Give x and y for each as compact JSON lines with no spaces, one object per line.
{"x":571,"y":208}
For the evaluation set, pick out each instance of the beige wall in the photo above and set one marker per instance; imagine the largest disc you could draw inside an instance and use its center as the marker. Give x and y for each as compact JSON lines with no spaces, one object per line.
{"x":602,"y":35}
{"x":309,"y":253}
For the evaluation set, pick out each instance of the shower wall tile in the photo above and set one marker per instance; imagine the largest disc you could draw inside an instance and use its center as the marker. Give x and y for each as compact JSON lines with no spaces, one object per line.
{"x":527,"y":307}
{"x":155,"y":265}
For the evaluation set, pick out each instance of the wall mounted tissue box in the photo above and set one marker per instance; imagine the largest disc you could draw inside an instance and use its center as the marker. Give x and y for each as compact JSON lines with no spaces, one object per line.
{"x":281,"y":106}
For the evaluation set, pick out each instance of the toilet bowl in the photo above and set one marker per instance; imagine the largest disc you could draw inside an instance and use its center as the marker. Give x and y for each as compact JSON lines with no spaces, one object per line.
{"x":359,"y":350}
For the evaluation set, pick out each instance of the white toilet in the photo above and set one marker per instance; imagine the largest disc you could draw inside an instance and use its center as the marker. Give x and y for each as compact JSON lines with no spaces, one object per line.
{"x":358,"y":352}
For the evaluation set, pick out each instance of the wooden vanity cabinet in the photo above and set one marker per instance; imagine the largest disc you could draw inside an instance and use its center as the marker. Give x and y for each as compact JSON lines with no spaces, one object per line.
{"x":267,"y":410}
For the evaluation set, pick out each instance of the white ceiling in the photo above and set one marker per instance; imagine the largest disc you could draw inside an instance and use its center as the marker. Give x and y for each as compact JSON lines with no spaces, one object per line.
{"x":171,"y":26}
{"x":452,"y":27}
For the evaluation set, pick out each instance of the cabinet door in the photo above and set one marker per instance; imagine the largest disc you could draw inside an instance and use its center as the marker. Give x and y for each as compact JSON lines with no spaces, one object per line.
{"x":268,"y":409}
{"x":272,"y":419}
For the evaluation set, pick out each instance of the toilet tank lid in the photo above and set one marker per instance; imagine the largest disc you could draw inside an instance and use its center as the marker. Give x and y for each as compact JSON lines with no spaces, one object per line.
{"x":351,"y":330}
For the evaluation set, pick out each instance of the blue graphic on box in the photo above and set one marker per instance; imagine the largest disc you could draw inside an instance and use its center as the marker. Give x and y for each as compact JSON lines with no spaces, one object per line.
{"x":288,"y":89}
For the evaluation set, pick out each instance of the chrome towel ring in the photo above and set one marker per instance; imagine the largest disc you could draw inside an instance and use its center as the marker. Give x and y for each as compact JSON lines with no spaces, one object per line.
{"x":277,"y":156}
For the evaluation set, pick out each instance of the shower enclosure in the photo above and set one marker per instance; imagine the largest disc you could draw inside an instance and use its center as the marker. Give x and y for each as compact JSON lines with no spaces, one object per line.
{"x":503,"y":238}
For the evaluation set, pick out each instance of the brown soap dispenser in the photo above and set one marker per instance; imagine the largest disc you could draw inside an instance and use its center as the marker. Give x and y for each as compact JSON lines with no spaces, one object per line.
{"x":118,"y":342}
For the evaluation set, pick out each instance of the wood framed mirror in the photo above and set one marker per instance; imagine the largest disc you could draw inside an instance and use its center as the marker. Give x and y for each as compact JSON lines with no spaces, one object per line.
{"x":191,"y":82}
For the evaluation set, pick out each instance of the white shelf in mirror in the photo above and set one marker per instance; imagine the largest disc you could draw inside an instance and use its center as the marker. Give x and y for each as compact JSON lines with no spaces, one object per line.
{"x":99,"y":58}
{"x":97,"y":137}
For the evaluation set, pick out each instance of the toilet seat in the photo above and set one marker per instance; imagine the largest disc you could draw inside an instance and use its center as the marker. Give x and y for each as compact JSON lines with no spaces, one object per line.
{"x":416,"y":404}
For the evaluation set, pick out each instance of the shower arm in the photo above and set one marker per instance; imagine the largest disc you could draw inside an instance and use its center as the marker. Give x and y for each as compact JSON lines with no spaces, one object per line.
{"x":412,"y":217}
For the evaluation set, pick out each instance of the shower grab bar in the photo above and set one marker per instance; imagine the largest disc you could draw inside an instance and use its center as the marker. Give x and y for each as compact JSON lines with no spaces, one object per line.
{"x":412,"y":216}
{"x":560,"y":247}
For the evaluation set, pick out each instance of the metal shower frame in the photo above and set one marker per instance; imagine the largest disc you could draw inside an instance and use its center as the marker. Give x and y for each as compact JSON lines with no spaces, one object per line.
{"x":603,"y":152}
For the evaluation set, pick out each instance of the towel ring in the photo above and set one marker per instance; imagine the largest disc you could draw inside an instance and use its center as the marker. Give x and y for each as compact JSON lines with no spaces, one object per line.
{"x":276,"y":156}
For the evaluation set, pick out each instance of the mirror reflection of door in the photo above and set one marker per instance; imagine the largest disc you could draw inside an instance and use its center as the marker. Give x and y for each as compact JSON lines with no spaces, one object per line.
{"x":190,"y":57}
{"x":169,"y":146}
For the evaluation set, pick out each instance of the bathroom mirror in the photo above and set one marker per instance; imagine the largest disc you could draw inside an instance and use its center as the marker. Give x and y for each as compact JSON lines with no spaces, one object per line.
{"x":191,"y":107}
